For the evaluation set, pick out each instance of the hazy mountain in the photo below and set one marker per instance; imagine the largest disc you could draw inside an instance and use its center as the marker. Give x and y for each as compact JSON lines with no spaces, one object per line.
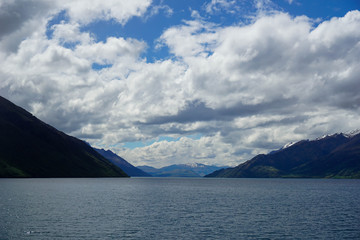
{"x":171,"y":173}
{"x":32,"y":148}
{"x":335,"y":156}
{"x":180,"y":170}
{"x":122,"y":163}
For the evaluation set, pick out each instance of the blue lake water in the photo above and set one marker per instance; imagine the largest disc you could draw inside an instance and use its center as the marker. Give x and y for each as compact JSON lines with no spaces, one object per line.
{"x":179,"y":208}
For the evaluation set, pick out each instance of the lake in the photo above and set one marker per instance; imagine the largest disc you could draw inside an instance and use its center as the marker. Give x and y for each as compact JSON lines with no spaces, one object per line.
{"x":179,"y":208}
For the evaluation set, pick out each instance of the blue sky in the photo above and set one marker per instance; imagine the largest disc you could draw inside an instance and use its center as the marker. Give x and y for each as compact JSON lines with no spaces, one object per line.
{"x":167,"y":82}
{"x":150,"y":27}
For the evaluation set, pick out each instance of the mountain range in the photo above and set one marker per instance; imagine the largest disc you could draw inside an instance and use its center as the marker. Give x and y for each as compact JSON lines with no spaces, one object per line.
{"x":32,"y":148}
{"x":181,"y":170}
{"x":128,"y":168}
{"x":334,"y":156}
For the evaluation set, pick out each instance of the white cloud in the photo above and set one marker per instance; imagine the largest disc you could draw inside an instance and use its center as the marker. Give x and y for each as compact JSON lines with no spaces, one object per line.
{"x":156,"y":9}
{"x":208,"y":150}
{"x":272,"y":58}
{"x":264,"y":7}
{"x":192,"y":39}
{"x":20,"y":19}
{"x":70,"y":33}
{"x":247,"y":89}
{"x":120,"y":11}
{"x":221,"y":5}
{"x":275,"y":62}
{"x":113,"y":50}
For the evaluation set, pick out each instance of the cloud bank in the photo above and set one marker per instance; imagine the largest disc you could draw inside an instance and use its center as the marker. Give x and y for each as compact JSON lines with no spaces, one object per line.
{"x":245,"y":88}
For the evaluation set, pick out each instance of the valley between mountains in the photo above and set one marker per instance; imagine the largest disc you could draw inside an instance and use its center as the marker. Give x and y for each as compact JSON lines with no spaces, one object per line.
{"x":32,"y":148}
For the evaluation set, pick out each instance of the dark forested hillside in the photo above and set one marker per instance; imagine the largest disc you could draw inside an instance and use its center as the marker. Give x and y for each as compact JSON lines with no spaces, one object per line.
{"x":32,"y":148}
{"x":336,"y":156}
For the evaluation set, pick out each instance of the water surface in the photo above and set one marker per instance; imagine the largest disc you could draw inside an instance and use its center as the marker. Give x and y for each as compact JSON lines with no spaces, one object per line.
{"x":179,"y":208}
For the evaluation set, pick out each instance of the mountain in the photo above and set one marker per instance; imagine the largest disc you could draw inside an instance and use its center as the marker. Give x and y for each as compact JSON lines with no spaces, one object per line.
{"x":122,"y":163}
{"x":180,"y":170}
{"x":32,"y":148}
{"x":169,"y":173}
{"x":335,"y":156}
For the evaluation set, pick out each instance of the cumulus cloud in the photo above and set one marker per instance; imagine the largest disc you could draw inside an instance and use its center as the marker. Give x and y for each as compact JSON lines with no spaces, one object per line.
{"x":57,"y":82}
{"x":120,"y":11}
{"x":276,"y":67}
{"x":194,"y":38}
{"x":186,"y":150}
{"x":198,"y":111}
{"x":19,"y":19}
{"x":247,"y":88}
{"x":113,"y":50}
{"x":270,"y":59}
{"x":70,"y":33}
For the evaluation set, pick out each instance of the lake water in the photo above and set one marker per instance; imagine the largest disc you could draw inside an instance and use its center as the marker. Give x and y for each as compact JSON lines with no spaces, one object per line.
{"x":179,"y":208}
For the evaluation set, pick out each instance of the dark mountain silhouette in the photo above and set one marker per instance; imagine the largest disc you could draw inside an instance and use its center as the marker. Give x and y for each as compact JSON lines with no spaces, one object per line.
{"x":335,"y":156}
{"x":122,"y":163}
{"x":180,"y":170}
{"x":32,"y":148}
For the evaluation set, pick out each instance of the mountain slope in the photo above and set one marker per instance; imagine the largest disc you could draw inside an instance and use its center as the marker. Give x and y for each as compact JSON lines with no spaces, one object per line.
{"x":342,"y":162}
{"x":336,"y":156}
{"x":32,"y":148}
{"x":122,"y":163}
{"x":180,"y":170}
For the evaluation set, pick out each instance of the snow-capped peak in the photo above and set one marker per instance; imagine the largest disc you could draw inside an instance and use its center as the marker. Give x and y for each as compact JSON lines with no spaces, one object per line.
{"x":351,"y":133}
{"x":324,"y":136}
{"x":288,"y":145}
{"x":348,"y":134}
{"x":193,"y":165}
{"x":285,"y":146}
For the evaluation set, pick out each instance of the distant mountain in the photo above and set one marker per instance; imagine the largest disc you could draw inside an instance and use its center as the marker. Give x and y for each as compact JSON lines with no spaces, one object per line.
{"x":122,"y":163}
{"x":180,"y":170}
{"x":169,"y":173}
{"x":335,"y":156}
{"x":148,"y":169}
{"x":32,"y":148}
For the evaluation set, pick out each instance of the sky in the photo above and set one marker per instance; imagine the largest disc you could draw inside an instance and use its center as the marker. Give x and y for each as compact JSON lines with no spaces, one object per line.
{"x":168,"y":82}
